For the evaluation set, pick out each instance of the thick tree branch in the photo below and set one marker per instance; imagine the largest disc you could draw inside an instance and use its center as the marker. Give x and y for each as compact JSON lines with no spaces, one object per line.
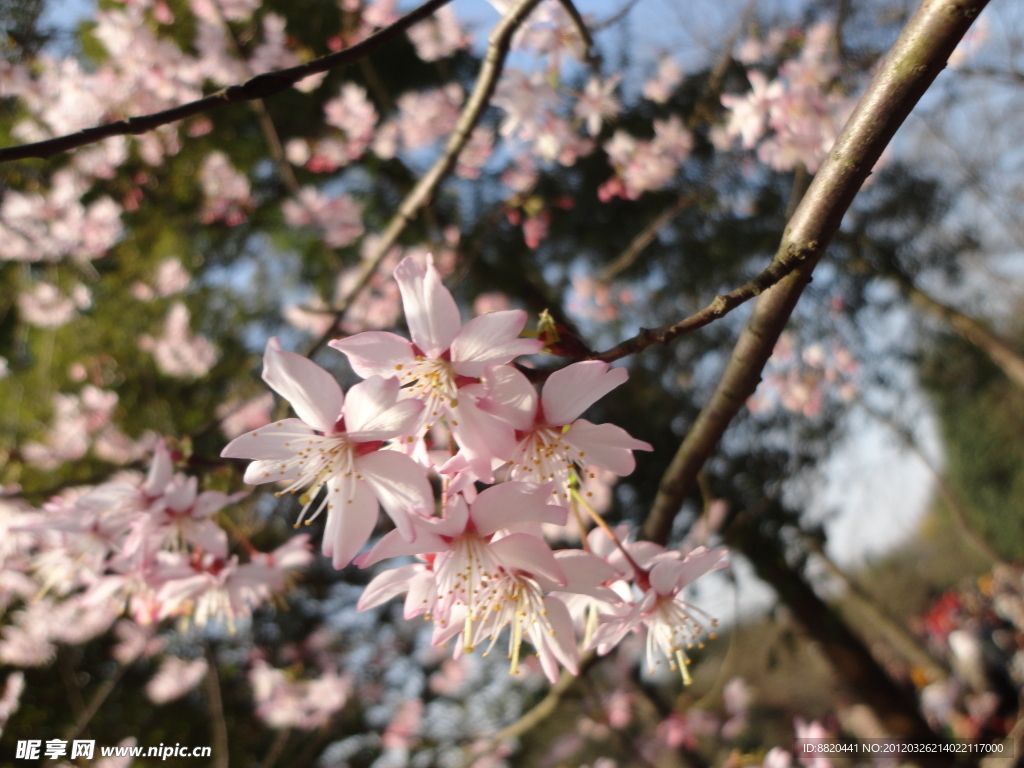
{"x":259,"y":87}
{"x":499,"y":43}
{"x":910,"y":67}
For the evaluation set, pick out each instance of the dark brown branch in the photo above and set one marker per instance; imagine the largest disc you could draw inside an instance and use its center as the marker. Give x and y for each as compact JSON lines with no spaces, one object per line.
{"x":259,"y":87}
{"x":910,"y":67}
{"x":215,"y":706}
{"x":780,"y":267}
{"x":419,"y":198}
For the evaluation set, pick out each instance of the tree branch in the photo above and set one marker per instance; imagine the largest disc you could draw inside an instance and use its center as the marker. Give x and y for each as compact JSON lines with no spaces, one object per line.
{"x":646,"y":236}
{"x":910,"y":67}
{"x":259,"y":87}
{"x":499,"y":43}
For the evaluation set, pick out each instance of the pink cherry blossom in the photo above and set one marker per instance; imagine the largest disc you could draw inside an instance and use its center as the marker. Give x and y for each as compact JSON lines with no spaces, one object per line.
{"x":304,"y":704}
{"x":439,"y":36}
{"x":178,"y":352}
{"x":335,"y":444}
{"x":174,"y":679}
{"x":443,"y":357}
{"x":228,"y":195}
{"x":670,"y":621}
{"x":340,"y":218}
{"x":668,"y":77}
{"x":553,"y":443}
{"x":596,"y":104}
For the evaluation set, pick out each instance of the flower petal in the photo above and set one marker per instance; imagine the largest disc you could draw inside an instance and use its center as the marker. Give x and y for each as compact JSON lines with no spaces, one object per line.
{"x":393,"y":545}
{"x":314,"y":394}
{"x":270,"y":471}
{"x":160,"y":471}
{"x":422,"y":592}
{"x":605,"y":445}
{"x":560,"y":644}
{"x":505,"y":504}
{"x":585,"y":573}
{"x":269,"y":442}
{"x":376,"y":353}
{"x":430,"y":310}
{"x":399,"y":485}
{"x":372,"y":411}
{"x":528,"y":553}
{"x":510,"y":396}
{"x":701,"y":561}
{"x":569,"y":392}
{"x":491,"y":339}
{"x":482,"y":437}
{"x":349,"y":524}
{"x":387,"y":585}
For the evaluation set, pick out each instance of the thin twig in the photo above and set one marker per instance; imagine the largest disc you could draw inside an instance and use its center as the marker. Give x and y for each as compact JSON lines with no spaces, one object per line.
{"x":97,"y":701}
{"x":215,"y":703}
{"x":499,"y":43}
{"x":581,"y":28}
{"x":276,"y":748}
{"x":646,"y":236}
{"x":616,"y":17}
{"x":914,"y":62}
{"x":260,"y":108}
{"x":259,"y":87}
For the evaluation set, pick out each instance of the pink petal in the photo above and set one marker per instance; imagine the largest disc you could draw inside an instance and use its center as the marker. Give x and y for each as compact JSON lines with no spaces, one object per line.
{"x":665,"y":576}
{"x":569,"y":392}
{"x":584,"y":571}
{"x":510,"y":396}
{"x":482,"y":437}
{"x":372,"y":411}
{"x":508,"y":503}
{"x":491,"y":339}
{"x":393,"y":545}
{"x":528,"y":553}
{"x":349,"y":524}
{"x":376,"y":353}
{"x":400,"y":486}
{"x":562,"y":644}
{"x":605,"y":445}
{"x":421,"y":594}
{"x":314,"y":394}
{"x":160,"y":471}
{"x":701,"y":561}
{"x":430,"y":310}
{"x":213,"y":501}
{"x":274,"y":441}
{"x":456,"y":518}
{"x":387,"y":585}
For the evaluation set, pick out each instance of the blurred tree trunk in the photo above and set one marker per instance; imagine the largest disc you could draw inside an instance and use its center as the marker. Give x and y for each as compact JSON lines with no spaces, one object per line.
{"x":865,"y":677}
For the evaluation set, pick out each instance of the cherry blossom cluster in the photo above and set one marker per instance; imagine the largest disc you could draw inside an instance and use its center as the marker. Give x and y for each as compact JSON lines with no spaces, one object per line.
{"x":450,"y":403}
{"x":149,"y":546}
{"x":795,"y":118}
{"x":801,"y":381}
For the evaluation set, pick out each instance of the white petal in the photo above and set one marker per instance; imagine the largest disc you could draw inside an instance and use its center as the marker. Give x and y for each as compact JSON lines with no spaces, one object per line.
{"x":160,"y":472}
{"x":569,"y":392}
{"x":491,"y":339}
{"x":312,"y":391}
{"x":269,"y":442}
{"x":481,"y":436}
{"x":400,"y":486}
{"x":605,"y":445}
{"x":376,"y":353}
{"x":430,"y":310}
{"x":372,"y":411}
{"x":509,"y":503}
{"x":349,"y":524}
{"x":561,"y":644}
{"x":270,"y":471}
{"x":665,"y":576}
